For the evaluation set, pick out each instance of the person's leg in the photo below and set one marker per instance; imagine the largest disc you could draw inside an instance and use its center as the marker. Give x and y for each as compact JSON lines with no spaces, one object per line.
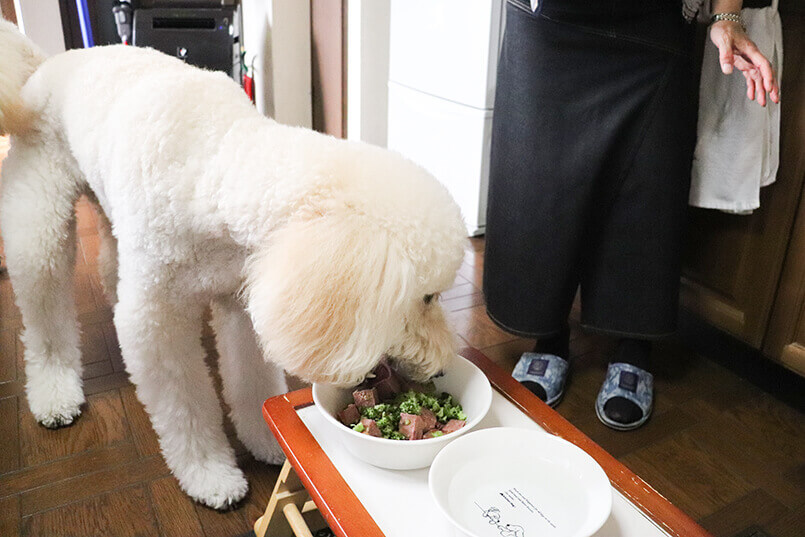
{"x":557,"y":344}
{"x":538,"y":186}
{"x":551,"y":138}
{"x":630,"y":286}
{"x":542,"y":172}
{"x":555,"y":131}
{"x":636,"y":352}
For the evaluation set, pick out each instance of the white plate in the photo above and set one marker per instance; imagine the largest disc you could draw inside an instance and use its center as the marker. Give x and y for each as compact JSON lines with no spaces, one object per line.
{"x":509,"y":482}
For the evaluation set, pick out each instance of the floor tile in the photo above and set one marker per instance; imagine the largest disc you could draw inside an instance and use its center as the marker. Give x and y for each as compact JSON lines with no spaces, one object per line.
{"x":10,"y":516}
{"x":175,"y":511}
{"x":695,"y":479}
{"x":65,"y":468}
{"x":9,"y":436}
{"x":122,"y":513}
{"x":88,"y":485}
{"x":475,"y":327}
{"x":756,"y":508}
{"x":141,"y":430}
{"x":8,"y":352}
{"x":102,"y":423}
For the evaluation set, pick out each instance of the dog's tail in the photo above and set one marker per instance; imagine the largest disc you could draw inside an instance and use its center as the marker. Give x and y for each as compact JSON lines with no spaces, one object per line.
{"x":19,"y":58}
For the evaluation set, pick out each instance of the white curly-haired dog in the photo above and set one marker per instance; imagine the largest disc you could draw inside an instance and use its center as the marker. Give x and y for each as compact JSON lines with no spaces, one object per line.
{"x":318,"y":255}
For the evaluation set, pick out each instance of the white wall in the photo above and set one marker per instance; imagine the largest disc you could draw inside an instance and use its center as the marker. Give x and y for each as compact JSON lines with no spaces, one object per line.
{"x":276,"y":36}
{"x":368,"y":70}
{"x":40,"y":20}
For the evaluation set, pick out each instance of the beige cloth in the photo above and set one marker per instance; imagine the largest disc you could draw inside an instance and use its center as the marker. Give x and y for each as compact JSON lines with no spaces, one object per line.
{"x":692,"y":8}
{"x":738,"y":141}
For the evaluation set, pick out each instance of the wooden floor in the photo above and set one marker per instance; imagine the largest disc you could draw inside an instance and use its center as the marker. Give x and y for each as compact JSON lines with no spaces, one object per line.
{"x":726,"y":452}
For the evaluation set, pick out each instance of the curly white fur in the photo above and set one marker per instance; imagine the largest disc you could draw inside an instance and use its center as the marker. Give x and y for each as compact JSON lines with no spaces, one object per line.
{"x":315,"y":252}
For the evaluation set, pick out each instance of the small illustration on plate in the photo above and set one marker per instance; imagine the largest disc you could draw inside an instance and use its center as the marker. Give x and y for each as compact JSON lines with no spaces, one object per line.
{"x":506,"y":530}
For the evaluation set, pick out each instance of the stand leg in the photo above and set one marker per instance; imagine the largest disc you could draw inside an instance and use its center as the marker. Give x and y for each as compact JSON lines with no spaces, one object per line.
{"x":288,"y":501}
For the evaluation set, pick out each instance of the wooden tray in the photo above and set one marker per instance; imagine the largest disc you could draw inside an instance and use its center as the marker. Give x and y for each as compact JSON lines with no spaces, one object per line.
{"x":347,"y":517}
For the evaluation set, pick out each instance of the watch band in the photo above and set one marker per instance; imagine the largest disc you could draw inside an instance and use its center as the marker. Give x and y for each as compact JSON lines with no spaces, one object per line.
{"x":732,"y":17}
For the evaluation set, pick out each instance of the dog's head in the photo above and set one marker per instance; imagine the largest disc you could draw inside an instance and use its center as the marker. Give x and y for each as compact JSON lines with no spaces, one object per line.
{"x":357,"y":275}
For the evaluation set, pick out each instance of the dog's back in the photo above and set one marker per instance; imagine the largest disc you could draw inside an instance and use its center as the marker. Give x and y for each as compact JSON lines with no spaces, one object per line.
{"x":97,"y":102}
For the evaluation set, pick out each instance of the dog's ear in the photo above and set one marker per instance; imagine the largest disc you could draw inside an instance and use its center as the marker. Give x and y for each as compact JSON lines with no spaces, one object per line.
{"x":327,"y":296}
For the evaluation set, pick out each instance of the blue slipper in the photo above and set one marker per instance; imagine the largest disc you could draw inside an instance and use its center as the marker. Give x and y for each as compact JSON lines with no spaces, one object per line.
{"x":546,"y":370}
{"x":631,"y":383}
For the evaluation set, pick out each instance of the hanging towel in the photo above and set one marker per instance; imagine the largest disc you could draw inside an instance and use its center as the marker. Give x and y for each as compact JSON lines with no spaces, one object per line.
{"x":692,"y":9}
{"x":738,"y":141}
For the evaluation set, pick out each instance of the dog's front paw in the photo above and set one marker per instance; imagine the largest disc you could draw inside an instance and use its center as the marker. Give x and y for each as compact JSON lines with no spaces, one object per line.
{"x":55,"y":400}
{"x":215,"y":485}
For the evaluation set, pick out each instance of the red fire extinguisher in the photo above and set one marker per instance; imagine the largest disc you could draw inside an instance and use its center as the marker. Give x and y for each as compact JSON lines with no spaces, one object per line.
{"x":248,"y":86}
{"x":247,"y":78}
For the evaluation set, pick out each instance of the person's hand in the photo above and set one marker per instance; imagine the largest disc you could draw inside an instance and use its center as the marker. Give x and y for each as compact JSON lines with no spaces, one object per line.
{"x":735,"y":49}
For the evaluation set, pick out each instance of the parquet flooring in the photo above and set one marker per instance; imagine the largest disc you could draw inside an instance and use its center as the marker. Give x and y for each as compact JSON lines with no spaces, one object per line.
{"x":727,"y":452}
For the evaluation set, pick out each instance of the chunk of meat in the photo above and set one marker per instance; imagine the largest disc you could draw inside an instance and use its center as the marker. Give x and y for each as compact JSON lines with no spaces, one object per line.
{"x":365,"y":398}
{"x":453,"y":426}
{"x":411,"y":426}
{"x":350,"y":415}
{"x":386,"y":381}
{"x":371,"y":428}
{"x":428,"y":417}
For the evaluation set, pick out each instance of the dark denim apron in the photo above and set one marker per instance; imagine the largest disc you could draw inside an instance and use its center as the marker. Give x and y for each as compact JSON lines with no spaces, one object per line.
{"x":593,"y":134}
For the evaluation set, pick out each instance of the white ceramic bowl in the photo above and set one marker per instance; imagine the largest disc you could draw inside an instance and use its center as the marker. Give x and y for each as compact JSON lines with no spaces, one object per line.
{"x":520,"y":477}
{"x":461,"y":378}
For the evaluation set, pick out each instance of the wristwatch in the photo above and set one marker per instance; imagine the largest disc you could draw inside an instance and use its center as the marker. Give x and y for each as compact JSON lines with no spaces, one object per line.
{"x":732,"y":17}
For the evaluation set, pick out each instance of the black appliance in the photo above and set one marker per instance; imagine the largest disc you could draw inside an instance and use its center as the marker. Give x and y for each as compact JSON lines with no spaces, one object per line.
{"x":202,"y":36}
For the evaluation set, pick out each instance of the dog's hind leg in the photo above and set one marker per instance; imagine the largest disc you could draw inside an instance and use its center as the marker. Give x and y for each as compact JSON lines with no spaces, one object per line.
{"x":248,"y":380}
{"x":107,"y":258}
{"x":38,"y":221}
{"x":160,"y":336}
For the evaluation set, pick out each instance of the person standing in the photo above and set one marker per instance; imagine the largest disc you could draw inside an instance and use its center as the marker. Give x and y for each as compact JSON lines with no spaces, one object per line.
{"x":592,"y":142}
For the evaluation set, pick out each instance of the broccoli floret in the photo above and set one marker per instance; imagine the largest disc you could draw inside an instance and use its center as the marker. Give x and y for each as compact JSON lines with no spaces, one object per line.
{"x":410,"y":405}
{"x":452,"y":410}
{"x":428,"y":401}
{"x":388,"y":423}
{"x":373,"y":412}
{"x":358,"y":428}
{"x":442,"y":414}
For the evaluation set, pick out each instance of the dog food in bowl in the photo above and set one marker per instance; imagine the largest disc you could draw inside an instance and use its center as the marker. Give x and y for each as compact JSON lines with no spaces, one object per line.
{"x":462,"y":379}
{"x":408,"y":415}
{"x":387,"y":405}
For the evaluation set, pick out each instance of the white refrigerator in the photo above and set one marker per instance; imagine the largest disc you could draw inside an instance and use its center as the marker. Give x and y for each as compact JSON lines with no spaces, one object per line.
{"x":442,"y":64}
